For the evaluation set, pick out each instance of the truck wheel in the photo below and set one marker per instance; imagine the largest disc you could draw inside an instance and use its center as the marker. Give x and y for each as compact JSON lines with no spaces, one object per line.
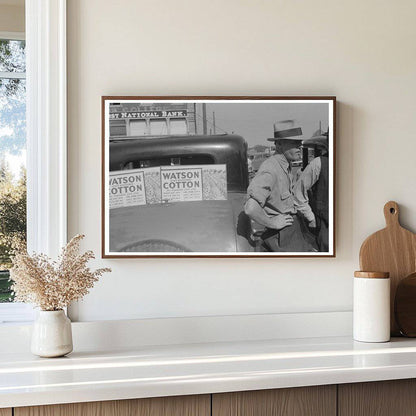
{"x":154,"y":246}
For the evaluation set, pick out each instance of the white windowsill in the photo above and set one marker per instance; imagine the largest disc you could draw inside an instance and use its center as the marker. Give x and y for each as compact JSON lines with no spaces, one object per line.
{"x":16,"y":313}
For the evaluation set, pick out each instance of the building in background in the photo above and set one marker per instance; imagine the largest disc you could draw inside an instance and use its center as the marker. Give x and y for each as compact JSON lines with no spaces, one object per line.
{"x":160,"y":119}
{"x":152,"y":119}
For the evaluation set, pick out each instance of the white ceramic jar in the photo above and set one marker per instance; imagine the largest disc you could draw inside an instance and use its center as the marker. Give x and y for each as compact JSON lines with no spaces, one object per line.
{"x":52,"y":334}
{"x":371,"y":307}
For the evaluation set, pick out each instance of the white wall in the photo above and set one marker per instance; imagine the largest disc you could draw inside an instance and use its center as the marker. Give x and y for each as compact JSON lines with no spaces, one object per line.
{"x":12,"y":17}
{"x":361,"y":51}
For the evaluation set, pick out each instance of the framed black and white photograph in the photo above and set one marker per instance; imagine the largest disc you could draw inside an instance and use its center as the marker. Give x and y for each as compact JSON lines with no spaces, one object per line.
{"x":218,"y":176}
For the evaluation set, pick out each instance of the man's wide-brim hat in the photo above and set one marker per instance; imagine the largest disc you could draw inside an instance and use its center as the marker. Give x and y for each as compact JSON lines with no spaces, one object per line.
{"x":318,"y":139}
{"x":286,"y":130}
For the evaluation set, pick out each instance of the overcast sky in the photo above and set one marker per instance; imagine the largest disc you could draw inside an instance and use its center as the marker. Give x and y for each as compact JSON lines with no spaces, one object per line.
{"x":254,"y":121}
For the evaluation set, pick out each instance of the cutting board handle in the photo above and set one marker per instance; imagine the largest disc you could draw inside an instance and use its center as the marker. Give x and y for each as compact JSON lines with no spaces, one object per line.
{"x":391,"y":213}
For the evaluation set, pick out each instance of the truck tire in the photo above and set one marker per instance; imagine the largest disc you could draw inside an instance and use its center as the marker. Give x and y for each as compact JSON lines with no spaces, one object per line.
{"x":154,"y":246}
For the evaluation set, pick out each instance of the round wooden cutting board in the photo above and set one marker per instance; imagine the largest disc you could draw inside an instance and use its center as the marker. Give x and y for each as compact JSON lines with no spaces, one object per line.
{"x":393,"y":250}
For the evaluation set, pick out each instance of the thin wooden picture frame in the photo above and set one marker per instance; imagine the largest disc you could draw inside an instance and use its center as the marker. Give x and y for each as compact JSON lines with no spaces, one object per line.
{"x":178,"y":169}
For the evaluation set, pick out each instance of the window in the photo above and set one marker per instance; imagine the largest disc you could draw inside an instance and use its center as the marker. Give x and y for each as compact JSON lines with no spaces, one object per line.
{"x":158,"y":127}
{"x":178,"y":126}
{"x":46,"y":131}
{"x":138,"y":128}
{"x":12,"y":154}
{"x":170,"y":161}
{"x":118,"y":128}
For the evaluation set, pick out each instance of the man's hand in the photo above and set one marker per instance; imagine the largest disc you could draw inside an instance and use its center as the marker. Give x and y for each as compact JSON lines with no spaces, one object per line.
{"x":281,"y":221}
{"x":255,"y":211}
{"x":312,"y":224}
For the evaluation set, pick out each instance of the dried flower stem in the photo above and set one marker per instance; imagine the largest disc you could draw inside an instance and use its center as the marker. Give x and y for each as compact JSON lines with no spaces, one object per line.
{"x":53,"y":285}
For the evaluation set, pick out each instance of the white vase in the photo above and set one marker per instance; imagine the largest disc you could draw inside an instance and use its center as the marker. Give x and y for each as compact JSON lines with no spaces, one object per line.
{"x":52,"y":334}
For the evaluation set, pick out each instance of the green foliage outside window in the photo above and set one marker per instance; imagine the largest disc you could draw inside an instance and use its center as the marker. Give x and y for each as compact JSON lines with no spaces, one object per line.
{"x":12,"y":145}
{"x":12,"y":222}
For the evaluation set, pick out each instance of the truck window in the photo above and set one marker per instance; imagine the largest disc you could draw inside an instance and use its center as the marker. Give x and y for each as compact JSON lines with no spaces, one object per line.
{"x":170,"y":161}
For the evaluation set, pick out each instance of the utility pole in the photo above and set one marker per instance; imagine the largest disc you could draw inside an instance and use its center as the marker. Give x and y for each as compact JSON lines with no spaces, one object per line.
{"x":213,"y":117}
{"x":204,"y":118}
{"x":196,"y":127}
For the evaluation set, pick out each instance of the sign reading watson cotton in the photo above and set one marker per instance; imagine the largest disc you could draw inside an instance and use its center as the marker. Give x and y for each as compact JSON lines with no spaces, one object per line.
{"x":181,"y":184}
{"x":165,"y":184}
{"x":127,"y":189}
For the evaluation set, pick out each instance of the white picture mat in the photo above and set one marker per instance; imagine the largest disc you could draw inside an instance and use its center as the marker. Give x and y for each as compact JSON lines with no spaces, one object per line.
{"x":331,"y":148}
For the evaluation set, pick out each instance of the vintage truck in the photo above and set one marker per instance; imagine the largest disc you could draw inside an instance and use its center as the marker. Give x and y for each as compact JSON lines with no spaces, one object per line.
{"x":204,"y":226}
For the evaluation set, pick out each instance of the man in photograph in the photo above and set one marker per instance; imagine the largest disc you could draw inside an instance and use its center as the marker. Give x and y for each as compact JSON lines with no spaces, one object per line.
{"x":270,"y":194}
{"x":311,"y":191}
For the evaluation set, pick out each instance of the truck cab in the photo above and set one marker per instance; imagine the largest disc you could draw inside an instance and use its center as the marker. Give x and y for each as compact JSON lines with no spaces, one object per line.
{"x":213,"y":222}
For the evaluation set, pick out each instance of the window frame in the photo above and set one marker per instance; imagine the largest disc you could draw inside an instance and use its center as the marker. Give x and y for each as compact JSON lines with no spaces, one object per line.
{"x":46,"y":127}
{"x":12,"y":35}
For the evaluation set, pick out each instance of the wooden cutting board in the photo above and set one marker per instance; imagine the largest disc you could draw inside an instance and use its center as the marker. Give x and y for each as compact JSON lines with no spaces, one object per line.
{"x":393,"y":250}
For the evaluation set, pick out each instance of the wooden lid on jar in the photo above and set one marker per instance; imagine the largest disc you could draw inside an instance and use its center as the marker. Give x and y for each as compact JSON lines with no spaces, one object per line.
{"x":372,"y":275}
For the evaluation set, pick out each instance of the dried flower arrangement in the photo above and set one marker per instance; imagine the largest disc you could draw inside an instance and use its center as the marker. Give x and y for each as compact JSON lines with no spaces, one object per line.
{"x":52,"y":285}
